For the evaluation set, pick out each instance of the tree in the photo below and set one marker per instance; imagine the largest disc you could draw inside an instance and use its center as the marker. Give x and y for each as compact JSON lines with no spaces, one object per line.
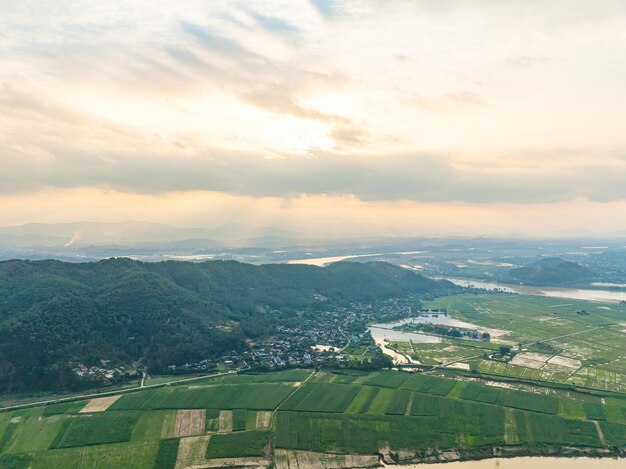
{"x":505,"y":349}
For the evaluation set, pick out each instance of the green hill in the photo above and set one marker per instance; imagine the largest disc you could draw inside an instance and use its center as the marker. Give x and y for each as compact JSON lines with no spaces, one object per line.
{"x":549,"y":271}
{"x":53,"y":314}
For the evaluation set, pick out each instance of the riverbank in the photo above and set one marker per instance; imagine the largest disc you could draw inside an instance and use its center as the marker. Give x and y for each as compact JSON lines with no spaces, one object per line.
{"x":561,"y":454}
{"x":596,"y":295}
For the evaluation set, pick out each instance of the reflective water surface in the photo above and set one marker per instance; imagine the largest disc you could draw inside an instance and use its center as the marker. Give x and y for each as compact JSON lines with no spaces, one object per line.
{"x":555,"y":292}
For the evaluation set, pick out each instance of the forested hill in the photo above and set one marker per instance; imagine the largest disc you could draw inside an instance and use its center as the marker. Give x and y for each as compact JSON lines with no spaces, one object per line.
{"x":55,"y":314}
{"x":549,"y":271}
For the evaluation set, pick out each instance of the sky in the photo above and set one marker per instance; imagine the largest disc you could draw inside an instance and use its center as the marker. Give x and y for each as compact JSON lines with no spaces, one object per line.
{"x":366,"y":117}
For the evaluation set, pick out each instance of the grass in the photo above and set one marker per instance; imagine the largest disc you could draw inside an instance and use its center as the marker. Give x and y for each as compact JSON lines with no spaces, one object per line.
{"x":614,"y":434}
{"x":481,"y":393}
{"x":528,"y":401}
{"x":240,"y":417}
{"x":94,"y":429}
{"x":322,"y":397}
{"x":429,"y":384}
{"x":594,"y":411}
{"x":167,"y":453}
{"x":399,"y":403}
{"x":242,"y":444}
{"x":388,"y":379}
{"x":363,"y":400}
{"x":114,"y":456}
{"x":256,"y":396}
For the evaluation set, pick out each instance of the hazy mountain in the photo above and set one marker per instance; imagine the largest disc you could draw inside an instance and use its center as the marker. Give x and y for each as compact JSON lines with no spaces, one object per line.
{"x":549,"y":271}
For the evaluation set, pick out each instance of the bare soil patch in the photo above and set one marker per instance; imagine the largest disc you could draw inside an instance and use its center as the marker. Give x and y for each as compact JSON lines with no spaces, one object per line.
{"x":100,"y":404}
{"x":263,"y":419}
{"x":190,"y":422}
{"x":225,"y":421}
{"x":285,"y":459}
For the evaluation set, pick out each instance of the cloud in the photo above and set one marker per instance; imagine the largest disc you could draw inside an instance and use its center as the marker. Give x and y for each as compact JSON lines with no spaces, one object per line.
{"x":37,"y":154}
{"x":325,"y":8}
{"x":216,"y":96}
{"x":274,"y":23}
{"x":452,"y":102}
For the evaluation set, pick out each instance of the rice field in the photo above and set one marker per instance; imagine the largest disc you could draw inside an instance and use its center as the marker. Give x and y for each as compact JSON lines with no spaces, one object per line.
{"x":551,"y":339}
{"x":357,"y":415}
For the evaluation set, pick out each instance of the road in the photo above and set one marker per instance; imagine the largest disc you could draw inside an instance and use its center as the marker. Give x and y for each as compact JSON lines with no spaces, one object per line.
{"x":94,"y":395}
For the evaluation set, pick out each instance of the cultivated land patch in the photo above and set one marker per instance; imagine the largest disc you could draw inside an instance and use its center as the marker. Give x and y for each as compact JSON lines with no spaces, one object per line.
{"x":564,"y":361}
{"x":263,"y":420}
{"x":530,"y":360}
{"x":99,"y":404}
{"x":225,"y":423}
{"x":578,"y":342}
{"x":307,"y":459}
{"x":333,"y":419}
{"x":190,"y":422}
{"x":191,"y":451}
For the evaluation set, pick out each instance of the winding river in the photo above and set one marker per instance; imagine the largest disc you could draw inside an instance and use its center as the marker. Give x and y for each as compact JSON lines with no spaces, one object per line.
{"x":609,"y":296}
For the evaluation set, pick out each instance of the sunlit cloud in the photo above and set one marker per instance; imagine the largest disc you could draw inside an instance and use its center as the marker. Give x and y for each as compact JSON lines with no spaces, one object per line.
{"x":477,"y":103}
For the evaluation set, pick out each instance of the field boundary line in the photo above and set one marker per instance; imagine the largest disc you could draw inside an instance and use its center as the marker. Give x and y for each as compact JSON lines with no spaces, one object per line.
{"x":271,"y":426}
{"x":80,"y":397}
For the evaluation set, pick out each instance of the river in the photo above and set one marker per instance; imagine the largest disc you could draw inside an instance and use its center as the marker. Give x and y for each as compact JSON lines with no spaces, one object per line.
{"x":532,"y":462}
{"x":609,"y":296}
{"x":322,"y":261}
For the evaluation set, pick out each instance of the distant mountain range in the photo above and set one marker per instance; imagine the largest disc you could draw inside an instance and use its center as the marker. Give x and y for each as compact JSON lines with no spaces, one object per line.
{"x":129,"y":233}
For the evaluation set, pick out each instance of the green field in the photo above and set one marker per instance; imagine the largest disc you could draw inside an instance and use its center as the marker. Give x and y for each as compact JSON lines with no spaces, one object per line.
{"x":354,"y":413}
{"x":553,"y":341}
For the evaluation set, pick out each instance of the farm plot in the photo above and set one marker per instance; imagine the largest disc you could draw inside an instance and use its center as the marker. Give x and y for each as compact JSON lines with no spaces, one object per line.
{"x":399,"y":403}
{"x":302,"y":459}
{"x":255,"y":396}
{"x":594,"y":411}
{"x":190,"y":422}
{"x":191,"y":451}
{"x":387,"y":379}
{"x":225,"y":421}
{"x":429,"y":384}
{"x":240,"y":417}
{"x":363,"y":400}
{"x":150,"y":425}
{"x":31,"y":433}
{"x":236,"y":445}
{"x":167,"y":453}
{"x":481,"y":393}
{"x":530,"y":359}
{"x":528,"y":401}
{"x":351,"y":421}
{"x":322,"y":397}
{"x":263,"y":420}
{"x":112,"y":456}
{"x":95,"y":429}
{"x":100,"y":404}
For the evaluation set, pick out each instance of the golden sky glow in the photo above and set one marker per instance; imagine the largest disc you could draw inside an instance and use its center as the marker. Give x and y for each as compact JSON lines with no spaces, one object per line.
{"x":395,"y":117}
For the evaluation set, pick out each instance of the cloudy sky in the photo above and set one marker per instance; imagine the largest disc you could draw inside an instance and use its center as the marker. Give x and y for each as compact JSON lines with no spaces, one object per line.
{"x":394,"y":117}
